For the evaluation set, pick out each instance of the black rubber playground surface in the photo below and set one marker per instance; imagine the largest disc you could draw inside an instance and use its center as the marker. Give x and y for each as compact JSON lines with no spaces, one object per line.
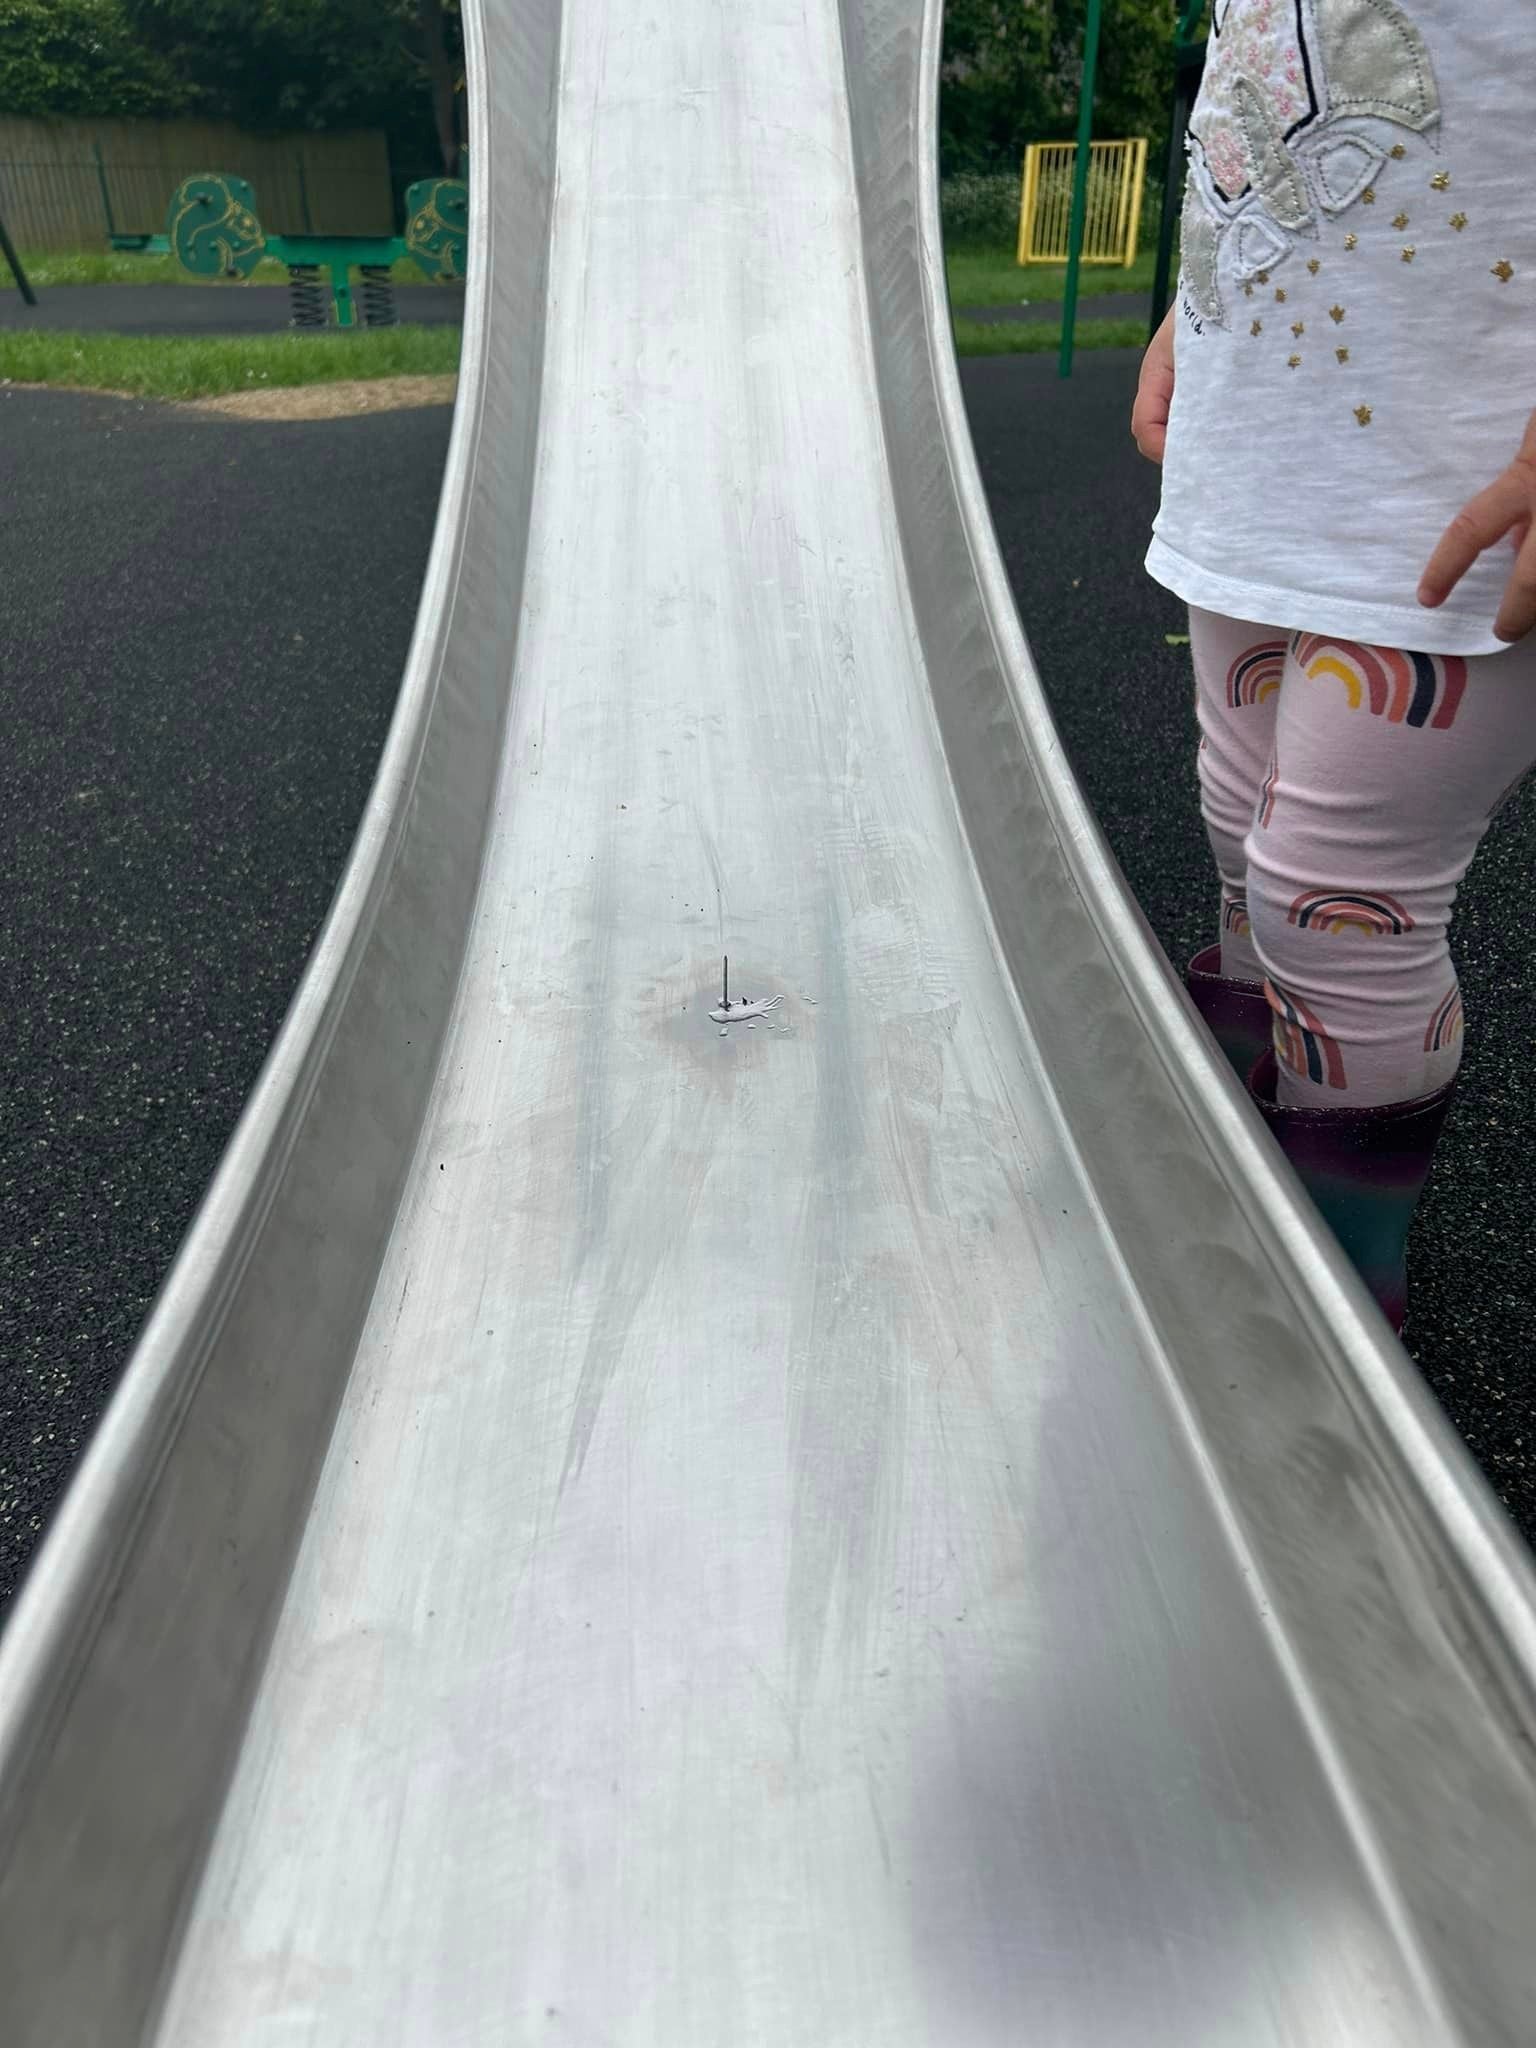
{"x":203,"y":629}
{"x":195,"y":309}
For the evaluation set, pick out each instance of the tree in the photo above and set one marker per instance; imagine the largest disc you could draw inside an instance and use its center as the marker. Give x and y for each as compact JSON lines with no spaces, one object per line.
{"x":1135,"y":83}
{"x":276,"y":64}
{"x":1012,"y":69}
{"x":440,"y":52}
{"x":997,"y":89}
{"x":81,"y":57}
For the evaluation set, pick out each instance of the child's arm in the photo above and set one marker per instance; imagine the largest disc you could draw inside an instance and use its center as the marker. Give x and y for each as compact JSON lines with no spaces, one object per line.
{"x":1508,"y":506}
{"x":1154,"y":394}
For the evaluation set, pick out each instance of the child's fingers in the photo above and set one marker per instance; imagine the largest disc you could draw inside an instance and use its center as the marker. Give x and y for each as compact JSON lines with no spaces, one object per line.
{"x":1480,"y":522}
{"x":1517,"y":613}
{"x":1149,"y":415}
{"x":1507,"y":503}
{"x":1154,"y":393}
{"x":1151,"y":436}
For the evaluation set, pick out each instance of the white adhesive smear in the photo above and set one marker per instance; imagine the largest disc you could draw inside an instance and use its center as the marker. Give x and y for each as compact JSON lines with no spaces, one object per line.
{"x":738,"y":1013}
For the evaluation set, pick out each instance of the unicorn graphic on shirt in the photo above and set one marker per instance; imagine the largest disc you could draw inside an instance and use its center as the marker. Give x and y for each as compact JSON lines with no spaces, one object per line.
{"x":1299,"y":109}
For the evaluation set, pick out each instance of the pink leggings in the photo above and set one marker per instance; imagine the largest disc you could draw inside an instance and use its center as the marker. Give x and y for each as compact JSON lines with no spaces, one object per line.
{"x":1345,"y":789}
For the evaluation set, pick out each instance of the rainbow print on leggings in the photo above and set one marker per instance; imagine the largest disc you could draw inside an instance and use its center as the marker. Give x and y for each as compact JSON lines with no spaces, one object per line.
{"x":1234,"y":917}
{"x":1256,"y":674}
{"x":1267,"y":795}
{"x":1445,"y":1026}
{"x":1404,"y":689}
{"x":1301,"y":1042}
{"x":1348,"y":910}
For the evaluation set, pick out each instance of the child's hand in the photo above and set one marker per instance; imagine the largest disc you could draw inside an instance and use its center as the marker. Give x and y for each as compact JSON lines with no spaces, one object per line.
{"x":1508,"y":506}
{"x":1154,"y":393}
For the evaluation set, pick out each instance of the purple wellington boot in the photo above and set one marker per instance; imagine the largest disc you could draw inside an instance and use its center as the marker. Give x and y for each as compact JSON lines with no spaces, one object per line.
{"x":1237,"y":1012}
{"x":1365,"y":1169}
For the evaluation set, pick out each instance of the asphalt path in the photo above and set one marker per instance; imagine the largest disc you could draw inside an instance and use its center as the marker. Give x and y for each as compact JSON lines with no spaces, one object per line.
{"x":262,"y":308}
{"x":201,"y":635}
{"x":196,"y":309}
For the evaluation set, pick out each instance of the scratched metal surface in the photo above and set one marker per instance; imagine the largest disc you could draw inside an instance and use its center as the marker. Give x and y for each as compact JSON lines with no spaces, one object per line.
{"x":879,"y":1522}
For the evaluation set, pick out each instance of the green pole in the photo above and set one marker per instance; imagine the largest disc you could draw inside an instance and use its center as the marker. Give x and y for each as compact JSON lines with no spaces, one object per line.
{"x":341,"y":292}
{"x":106,"y":196}
{"x":1080,"y":185}
{"x":8,"y":251}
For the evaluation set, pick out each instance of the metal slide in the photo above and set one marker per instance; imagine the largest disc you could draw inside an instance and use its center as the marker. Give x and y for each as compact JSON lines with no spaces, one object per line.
{"x":877,"y":1520}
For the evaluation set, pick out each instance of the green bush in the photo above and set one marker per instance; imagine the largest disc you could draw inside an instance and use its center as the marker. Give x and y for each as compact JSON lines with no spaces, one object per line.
{"x":980,"y":212}
{"x":980,"y":207}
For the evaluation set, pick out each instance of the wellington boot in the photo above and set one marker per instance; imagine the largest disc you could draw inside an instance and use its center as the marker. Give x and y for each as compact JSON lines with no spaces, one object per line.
{"x":1365,"y":1169}
{"x":1237,"y":1012}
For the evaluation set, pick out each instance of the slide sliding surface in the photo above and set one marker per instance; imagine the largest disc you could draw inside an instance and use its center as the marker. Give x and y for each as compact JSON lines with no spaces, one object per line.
{"x":879,"y":1519}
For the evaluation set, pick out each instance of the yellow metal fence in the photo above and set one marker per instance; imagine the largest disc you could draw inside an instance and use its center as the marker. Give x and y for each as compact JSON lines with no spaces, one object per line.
{"x":1116,"y":174}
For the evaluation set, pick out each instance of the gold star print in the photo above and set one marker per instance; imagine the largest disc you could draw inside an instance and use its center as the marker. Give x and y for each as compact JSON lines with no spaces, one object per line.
{"x":1440,"y":182}
{"x":1409,"y":254}
{"x":1350,"y":241}
{"x":1247,"y":291}
{"x":1314,"y":266}
{"x":1263,"y":277}
{"x":1279,"y":298}
{"x":1298,"y":328}
{"x":1342,"y":354}
{"x":1291,"y":362}
{"x":1363,"y":415}
{"x":1257,"y":327}
{"x":1458,"y":221}
{"x":1398,"y":151}
{"x":1503,"y":270}
{"x":1368,"y":196}
{"x":1336,"y":314}
{"x":1400,"y":222}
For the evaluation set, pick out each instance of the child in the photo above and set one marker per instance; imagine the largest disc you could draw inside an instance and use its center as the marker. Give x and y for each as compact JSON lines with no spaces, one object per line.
{"x":1340,"y":398}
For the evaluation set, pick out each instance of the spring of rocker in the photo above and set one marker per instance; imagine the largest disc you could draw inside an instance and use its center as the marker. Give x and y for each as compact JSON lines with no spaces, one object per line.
{"x":377,"y":295}
{"x":306,"y":295}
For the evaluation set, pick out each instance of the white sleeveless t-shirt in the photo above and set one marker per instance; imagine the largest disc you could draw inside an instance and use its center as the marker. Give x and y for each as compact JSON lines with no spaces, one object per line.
{"x":1355,"y":350}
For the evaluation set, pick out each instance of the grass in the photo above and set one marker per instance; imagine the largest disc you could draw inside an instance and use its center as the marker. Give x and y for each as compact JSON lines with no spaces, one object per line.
{"x":986,"y":274}
{"x":210,"y":366}
{"x":172,"y":366}
{"x":165,"y":366}
{"x":989,"y":276}
{"x":47,"y":267}
{"x":1043,"y":337}
{"x":979,"y":274}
